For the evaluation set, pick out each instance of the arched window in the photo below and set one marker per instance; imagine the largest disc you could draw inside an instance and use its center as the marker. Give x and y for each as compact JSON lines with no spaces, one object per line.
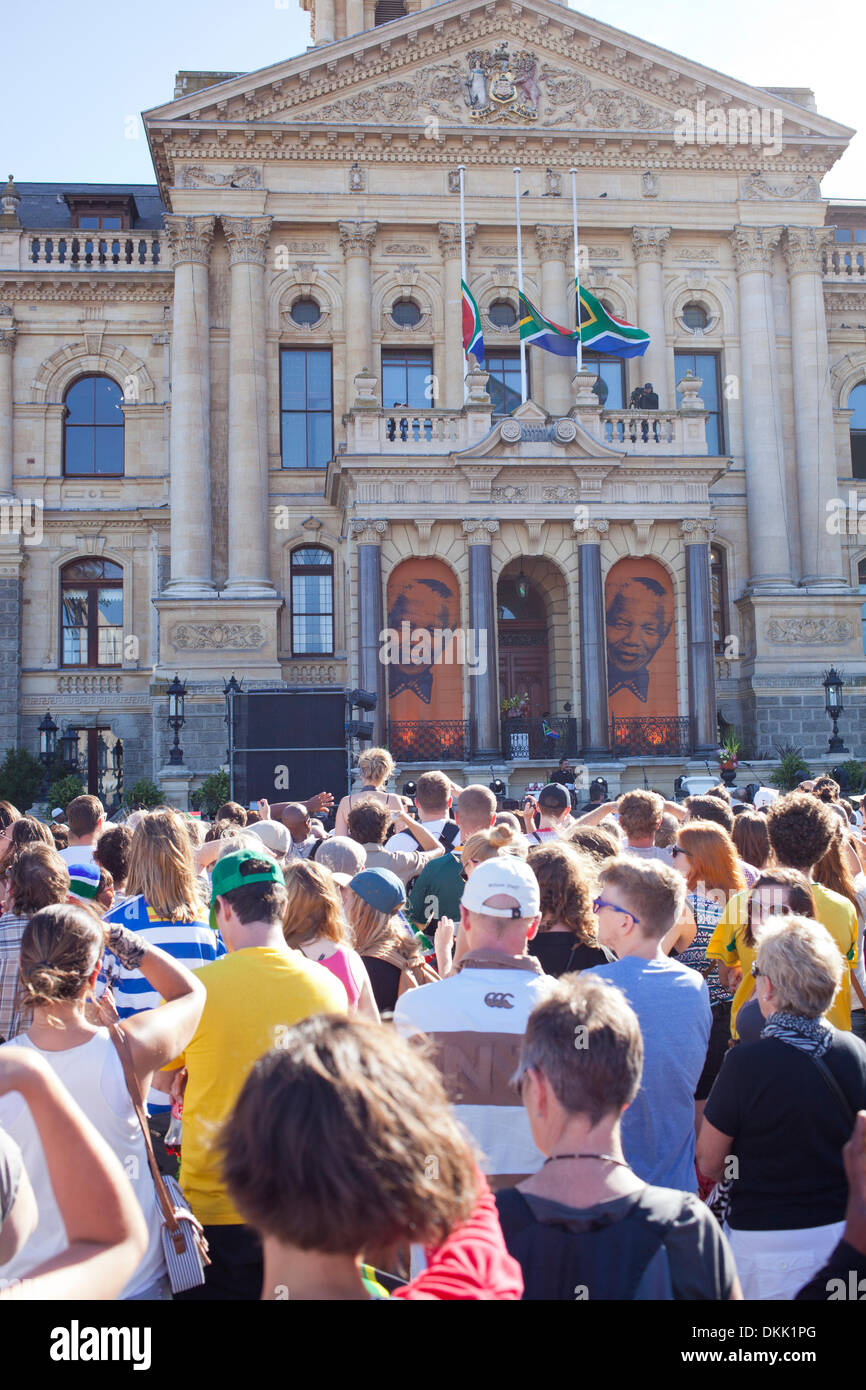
{"x":861,"y":589}
{"x":719,"y":597}
{"x":93,"y":428}
{"x":857,"y":425}
{"x":312,"y":590}
{"x":91,"y":608}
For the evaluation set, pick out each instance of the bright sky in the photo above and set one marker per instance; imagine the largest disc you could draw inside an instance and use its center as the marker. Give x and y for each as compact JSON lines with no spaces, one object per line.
{"x":74,"y":88}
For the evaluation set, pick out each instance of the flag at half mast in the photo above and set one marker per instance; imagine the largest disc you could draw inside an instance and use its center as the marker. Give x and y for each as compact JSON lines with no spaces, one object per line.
{"x":473,"y":340}
{"x":537,"y":331}
{"x":601,"y":332}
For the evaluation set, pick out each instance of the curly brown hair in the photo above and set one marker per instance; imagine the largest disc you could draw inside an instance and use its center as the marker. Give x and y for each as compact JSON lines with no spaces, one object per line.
{"x":368,"y":822}
{"x":565,"y":881}
{"x":593,"y":840}
{"x":36,"y":878}
{"x":640,"y":813}
{"x":801,"y":829}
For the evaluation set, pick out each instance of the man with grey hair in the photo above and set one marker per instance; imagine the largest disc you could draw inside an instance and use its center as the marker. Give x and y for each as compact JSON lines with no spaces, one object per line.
{"x":639,"y":901}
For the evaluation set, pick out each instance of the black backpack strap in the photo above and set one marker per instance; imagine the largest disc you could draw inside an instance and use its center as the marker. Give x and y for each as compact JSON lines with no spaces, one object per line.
{"x":449,"y":834}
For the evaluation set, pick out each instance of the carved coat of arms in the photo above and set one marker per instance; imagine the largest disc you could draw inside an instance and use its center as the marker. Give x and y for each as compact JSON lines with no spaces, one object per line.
{"x":502,"y":84}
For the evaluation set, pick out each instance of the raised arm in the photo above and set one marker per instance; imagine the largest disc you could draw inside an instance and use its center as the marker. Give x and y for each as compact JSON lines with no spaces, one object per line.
{"x":597,"y":815}
{"x":104,"y":1225}
{"x":425,"y":840}
{"x":158,"y":1035}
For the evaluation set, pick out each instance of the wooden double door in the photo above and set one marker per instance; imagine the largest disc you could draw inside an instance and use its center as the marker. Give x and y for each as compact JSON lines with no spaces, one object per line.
{"x":524,"y":664}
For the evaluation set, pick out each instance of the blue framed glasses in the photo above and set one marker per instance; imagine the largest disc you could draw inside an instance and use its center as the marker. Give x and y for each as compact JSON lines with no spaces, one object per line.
{"x":599,"y":903}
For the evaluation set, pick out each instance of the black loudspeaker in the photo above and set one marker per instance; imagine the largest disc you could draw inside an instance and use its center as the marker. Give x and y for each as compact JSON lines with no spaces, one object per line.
{"x":289,"y":744}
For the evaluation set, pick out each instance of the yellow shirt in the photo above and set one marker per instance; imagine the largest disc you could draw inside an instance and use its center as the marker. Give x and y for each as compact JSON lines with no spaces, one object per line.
{"x":834,"y":912}
{"x":253,"y":997}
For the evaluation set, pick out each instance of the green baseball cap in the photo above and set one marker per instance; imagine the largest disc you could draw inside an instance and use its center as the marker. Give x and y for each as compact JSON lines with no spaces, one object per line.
{"x":228,"y":873}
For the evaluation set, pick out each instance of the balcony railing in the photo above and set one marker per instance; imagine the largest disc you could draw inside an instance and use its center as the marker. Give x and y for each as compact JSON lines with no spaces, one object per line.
{"x":651,"y":737}
{"x":78,"y":251}
{"x":430,"y":740}
{"x":655,"y":431}
{"x":537,"y":740}
{"x":413,"y":432}
{"x":846,"y":261}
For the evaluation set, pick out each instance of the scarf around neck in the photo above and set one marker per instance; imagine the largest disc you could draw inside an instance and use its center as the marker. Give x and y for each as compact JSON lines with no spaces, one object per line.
{"x":812,"y":1035}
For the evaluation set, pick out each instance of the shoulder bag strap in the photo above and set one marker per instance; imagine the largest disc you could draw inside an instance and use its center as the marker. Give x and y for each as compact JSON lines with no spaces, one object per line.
{"x":833,"y":1085}
{"x":121,"y":1043}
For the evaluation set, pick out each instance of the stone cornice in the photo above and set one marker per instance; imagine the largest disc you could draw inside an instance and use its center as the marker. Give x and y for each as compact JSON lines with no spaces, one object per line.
{"x":357,"y":238}
{"x":190,"y":238}
{"x":247,"y":239}
{"x":107,"y":289}
{"x":754,"y":247}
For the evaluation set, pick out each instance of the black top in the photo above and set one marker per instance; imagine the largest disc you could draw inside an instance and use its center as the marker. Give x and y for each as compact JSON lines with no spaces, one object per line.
{"x":788,"y":1130}
{"x":384,"y":982}
{"x":653,"y":1244}
{"x":558,"y":953}
{"x":842,"y":1277}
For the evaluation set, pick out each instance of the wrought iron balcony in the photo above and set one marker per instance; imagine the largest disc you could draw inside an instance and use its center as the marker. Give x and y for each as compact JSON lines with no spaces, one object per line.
{"x":537,"y":740}
{"x":651,"y":737}
{"x":430,"y":740}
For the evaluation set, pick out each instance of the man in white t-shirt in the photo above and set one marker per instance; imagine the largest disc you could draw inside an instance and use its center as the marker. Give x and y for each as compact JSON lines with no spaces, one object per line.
{"x":86,"y":819}
{"x":554,"y":814}
{"x":433,"y":797}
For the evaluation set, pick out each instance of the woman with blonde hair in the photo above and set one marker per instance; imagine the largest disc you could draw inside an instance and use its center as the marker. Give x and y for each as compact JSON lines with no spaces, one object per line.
{"x":375,"y":767}
{"x":706,"y":857}
{"x":486,"y":844}
{"x":314,"y":924}
{"x":567,"y":936}
{"x":164,"y":906}
{"x":392,"y":956}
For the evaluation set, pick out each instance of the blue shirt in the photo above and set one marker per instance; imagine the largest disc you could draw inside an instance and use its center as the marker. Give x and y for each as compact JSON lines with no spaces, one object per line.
{"x":673,"y":1010}
{"x":192,"y":944}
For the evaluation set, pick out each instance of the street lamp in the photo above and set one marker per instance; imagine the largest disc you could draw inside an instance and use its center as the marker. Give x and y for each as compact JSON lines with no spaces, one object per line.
{"x":231,"y":688}
{"x":176,"y":718}
{"x":522,"y":585}
{"x":69,"y":749}
{"x":47,"y":739}
{"x":832,"y":684}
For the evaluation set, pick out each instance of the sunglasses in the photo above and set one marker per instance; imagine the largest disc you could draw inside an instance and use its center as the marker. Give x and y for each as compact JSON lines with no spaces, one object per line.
{"x":599,"y":903}
{"x":678,"y":849}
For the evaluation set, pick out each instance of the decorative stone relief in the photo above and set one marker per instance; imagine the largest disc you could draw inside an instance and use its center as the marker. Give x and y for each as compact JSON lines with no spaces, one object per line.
{"x":480,"y":532}
{"x":190,"y":637}
{"x":242,"y":176}
{"x":758,"y":188}
{"x":560,"y":493}
{"x":357,"y":179}
{"x":649,"y":242}
{"x":649,"y":184}
{"x":790,"y":632}
{"x":565,"y":431}
{"x":357,"y":238}
{"x":511,"y":431}
{"x":405,"y":248}
{"x":511,"y":493}
{"x":87,"y":685}
{"x":314,"y":675}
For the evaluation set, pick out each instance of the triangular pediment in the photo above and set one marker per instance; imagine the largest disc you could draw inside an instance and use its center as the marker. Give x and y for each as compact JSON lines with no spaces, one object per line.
{"x":479,"y":64}
{"x":530,"y":434}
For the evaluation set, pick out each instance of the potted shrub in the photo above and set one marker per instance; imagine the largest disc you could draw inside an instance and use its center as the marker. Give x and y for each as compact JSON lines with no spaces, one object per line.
{"x":728,"y":756}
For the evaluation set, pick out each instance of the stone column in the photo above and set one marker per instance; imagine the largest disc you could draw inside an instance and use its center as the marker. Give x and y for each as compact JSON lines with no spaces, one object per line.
{"x":248,"y":575}
{"x":649,"y":248}
{"x":553,"y":245}
{"x":371,"y":618}
{"x":452,"y":377}
{"x":817,"y":478}
{"x":768,"y":522}
{"x":7,"y":352}
{"x":701,"y":656}
{"x":594,"y":717}
{"x":356,"y":239}
{"x":354,"y":17}
{"x":191,"y":536}
{"x":323,"y":20}
{"x":483,"y":686}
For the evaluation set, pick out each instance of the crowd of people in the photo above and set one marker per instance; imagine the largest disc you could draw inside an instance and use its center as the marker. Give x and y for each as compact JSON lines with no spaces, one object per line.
{"x":444,"y":1050}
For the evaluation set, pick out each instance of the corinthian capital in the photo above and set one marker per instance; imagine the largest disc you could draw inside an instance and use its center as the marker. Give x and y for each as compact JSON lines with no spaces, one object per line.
{"x":754,"y":247}
{"x":804,"y":248}
{"x":552,"y":243}
{"x":449,"y":239}
{"x":189,"y":238}
{"x":357,"y":238}
{"x":649,"y":243}
{"x":7,"y":339}
{"x":247,"y":239}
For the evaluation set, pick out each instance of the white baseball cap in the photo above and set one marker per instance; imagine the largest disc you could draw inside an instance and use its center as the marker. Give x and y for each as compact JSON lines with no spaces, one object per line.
{"x":503,"y":874}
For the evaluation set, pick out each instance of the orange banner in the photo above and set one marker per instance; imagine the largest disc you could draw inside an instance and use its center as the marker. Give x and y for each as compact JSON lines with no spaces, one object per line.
{"x":425,"y":661}
{"x":641,"y":650}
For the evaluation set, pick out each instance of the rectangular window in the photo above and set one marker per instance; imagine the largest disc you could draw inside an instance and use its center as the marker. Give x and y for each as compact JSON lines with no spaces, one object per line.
{"x":610,"y":380}
{"x":706,"y":366}
{"x":407,"y":378}
{"x":503,"y":385}
{"x":306,"y":407}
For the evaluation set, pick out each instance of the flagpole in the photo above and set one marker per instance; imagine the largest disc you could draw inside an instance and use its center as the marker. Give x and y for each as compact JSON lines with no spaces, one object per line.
{"x":520,"y":281}
{"x":576,"y":268}
{"x":464,"y":281}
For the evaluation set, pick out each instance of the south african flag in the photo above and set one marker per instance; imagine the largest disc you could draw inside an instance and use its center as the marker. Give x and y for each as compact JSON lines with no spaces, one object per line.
{"x":537,"y":331}
{"x":473,"y":340}
{"x":601,"y":332}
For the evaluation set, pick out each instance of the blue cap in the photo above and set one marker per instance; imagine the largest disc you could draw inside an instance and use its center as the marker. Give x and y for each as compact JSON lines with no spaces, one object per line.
{"x":380,"y":889}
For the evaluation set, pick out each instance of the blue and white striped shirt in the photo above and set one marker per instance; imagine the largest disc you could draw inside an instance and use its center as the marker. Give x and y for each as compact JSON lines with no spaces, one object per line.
{"x":192,"y":944}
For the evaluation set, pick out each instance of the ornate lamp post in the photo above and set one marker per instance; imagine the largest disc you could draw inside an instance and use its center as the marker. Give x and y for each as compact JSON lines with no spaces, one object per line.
{"x":832,"y":684}
{"x":176,"y":718}
{"x":47,"y":739}
{"x":69,"y":749}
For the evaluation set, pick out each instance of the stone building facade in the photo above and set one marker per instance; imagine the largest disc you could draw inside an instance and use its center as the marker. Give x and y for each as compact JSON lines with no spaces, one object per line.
{"x":233,"y":406}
